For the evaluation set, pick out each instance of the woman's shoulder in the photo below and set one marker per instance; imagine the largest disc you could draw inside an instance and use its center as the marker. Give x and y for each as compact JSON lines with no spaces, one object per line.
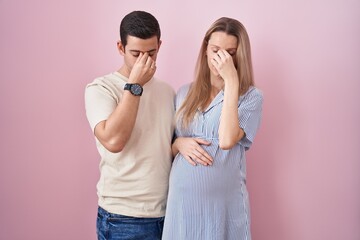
{"x":253,"y":94}
{"x":181,"y":94}
{"x":183,"y":90}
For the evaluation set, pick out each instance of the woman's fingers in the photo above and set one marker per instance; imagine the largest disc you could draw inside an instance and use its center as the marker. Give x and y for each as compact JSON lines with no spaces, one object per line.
{"x":202,"y":141}
{"x":201,"y":156}
{"x":193,"y":152}
{"x":204,"y":156}
{"x":190,"y":160}
{"x":199,"y":159}
{"x":221,"y":54}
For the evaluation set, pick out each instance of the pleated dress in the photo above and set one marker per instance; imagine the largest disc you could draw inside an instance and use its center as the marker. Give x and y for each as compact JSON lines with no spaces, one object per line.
{"x":211,"y":202}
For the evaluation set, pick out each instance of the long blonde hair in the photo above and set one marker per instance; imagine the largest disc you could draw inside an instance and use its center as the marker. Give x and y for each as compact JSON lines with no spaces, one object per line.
{"x":199,"y":92}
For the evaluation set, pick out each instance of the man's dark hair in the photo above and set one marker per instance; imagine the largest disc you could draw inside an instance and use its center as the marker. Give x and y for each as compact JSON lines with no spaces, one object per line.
{"x":139,"y":24}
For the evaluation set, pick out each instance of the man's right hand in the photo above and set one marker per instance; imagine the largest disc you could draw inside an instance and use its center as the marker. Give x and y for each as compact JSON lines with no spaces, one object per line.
{"x":143,"y":69}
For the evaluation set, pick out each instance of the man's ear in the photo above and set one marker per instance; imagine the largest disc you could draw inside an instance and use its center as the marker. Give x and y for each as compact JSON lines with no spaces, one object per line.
{"x":159,"y":44}
{"x":120,"y":48}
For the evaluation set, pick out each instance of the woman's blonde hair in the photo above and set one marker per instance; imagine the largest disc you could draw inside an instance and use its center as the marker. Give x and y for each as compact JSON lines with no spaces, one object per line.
{"x":199,"y":92}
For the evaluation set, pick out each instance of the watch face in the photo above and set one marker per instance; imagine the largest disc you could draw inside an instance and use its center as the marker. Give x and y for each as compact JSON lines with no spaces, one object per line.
{"x":136,"y":89}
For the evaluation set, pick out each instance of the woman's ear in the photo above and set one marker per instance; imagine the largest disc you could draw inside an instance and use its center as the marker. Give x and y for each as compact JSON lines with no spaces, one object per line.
{"x":120,"y":48}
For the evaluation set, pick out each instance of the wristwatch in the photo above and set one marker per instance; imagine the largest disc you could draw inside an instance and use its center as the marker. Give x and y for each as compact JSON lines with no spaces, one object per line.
{"x":134,"y":88}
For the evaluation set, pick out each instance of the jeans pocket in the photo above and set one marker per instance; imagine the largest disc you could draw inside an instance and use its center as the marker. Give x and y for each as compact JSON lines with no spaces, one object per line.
{"x":121,"y":219}
{"x":101,"y":226}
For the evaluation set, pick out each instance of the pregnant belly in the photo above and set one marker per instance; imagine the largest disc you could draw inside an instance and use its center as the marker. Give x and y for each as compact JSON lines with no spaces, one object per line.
{"x":220,"y":179}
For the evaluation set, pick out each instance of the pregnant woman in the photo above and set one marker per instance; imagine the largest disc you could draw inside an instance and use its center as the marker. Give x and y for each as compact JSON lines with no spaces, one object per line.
{"x":218,"y":115}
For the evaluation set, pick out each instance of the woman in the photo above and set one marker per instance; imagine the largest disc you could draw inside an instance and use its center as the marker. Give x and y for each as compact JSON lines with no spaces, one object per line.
{"x":217,"y":118}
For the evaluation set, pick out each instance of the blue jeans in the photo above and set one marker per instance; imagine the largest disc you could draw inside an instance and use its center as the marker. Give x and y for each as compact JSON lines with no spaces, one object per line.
{"x":110,"y":226}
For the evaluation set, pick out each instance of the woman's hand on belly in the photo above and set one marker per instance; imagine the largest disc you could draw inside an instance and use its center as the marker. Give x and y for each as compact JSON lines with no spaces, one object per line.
{"x":192,"y":150}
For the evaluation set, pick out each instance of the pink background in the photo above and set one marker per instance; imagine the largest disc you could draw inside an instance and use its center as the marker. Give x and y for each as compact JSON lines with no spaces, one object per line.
{"x":303,"y":170}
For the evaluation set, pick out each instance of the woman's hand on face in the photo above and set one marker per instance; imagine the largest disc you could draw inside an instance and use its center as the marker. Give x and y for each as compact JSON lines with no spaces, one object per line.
{"x":192,"y":151}
{"x":224,"y":64}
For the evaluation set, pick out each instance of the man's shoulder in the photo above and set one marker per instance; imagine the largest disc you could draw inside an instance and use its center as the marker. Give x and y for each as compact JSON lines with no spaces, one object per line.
{"x":103,"y":80}
{"x":163,"y":86}
{"x":108,"y":81}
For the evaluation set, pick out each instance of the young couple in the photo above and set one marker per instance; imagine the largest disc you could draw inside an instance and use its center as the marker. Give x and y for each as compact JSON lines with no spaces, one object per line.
{"x":188,"y":181}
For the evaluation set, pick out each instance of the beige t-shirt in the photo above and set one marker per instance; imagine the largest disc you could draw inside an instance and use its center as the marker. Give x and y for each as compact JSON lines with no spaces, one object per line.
{"x":134,"y":182}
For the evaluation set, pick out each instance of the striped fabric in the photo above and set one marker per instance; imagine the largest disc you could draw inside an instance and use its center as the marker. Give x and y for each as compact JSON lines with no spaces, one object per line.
{"x":211,"y":202}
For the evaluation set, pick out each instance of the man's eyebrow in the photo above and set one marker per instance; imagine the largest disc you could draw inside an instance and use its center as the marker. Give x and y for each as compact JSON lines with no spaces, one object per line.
{"x":138,"y":51}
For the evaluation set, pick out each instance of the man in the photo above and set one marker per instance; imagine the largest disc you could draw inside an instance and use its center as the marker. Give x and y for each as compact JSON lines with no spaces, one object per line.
{"x":131,"y":115}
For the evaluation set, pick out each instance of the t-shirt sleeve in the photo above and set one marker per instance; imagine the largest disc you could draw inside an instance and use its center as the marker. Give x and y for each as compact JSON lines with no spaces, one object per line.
{"x":99,"y":103}
{"x":250,"y":113}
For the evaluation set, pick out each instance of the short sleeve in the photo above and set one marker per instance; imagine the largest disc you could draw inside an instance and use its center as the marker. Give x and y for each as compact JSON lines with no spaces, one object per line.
{"x":181,"y":95}
{"x":250,"y":113}
{"x":99,"y":103}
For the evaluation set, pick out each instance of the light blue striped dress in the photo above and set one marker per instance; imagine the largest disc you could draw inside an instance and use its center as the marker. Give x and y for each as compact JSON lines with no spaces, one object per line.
{"x":211,"y":202}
